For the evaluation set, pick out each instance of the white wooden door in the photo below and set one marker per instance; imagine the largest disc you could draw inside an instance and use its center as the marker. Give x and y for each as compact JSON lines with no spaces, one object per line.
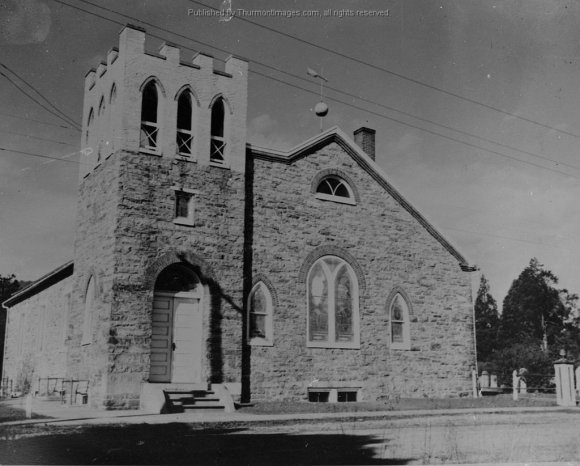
{"x":176,"y":341}
{"x":187,"y":344}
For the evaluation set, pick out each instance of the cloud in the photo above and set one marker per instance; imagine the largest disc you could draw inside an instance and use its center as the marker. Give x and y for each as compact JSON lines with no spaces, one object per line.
{"x":24,"y":21}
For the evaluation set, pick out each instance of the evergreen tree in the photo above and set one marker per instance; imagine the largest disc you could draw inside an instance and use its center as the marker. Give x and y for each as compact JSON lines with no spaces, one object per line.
{"x":534,"y":312}
{"x":486,"y":322}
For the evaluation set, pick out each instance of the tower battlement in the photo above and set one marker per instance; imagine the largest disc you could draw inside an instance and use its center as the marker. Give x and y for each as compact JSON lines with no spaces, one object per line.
{"x":117,"y":116}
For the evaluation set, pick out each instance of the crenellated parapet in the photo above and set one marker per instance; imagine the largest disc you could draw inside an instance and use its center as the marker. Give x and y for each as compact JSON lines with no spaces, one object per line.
{"x":117,"y":116}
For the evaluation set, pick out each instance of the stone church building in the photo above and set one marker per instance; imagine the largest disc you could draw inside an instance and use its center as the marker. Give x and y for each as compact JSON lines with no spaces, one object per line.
{"x":202,"y":261}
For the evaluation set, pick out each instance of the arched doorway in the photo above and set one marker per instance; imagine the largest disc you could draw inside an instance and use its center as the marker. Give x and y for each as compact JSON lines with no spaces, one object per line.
{"x":176,"y":340}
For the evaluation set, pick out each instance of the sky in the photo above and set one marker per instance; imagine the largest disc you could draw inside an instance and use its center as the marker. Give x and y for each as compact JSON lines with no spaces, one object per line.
{"x":476,"y":107}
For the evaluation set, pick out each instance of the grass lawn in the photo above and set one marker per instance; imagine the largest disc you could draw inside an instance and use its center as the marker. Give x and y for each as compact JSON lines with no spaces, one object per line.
{"x":10,"y":413}
{"x":403,"y":404}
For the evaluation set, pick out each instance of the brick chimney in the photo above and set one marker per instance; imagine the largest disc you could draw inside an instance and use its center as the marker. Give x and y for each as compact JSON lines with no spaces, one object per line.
{"x":365,"y":139}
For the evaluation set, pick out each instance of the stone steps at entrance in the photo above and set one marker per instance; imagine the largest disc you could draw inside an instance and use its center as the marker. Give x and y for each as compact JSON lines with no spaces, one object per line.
{"x":179,"y":397}
{"x":178,"y":401}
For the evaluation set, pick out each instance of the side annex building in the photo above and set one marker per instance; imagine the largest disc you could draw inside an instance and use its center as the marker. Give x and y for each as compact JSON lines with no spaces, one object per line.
{"x":203,"y":261}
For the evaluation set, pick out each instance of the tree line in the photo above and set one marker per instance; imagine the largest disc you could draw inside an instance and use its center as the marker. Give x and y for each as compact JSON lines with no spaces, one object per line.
{"x":537,"y":321}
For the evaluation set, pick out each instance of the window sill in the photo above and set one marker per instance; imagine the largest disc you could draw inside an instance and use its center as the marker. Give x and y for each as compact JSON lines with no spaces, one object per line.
{"x":329,"y":345}
{"x":85,"y":343}
{"x":401,"y":346}
{"x":338,"y":199}
{"x":260,"y":342}
{"x":144,"y":150}
{"x":184,"y":222}
{"x":219,"y":165}
{"x":186,"y":157}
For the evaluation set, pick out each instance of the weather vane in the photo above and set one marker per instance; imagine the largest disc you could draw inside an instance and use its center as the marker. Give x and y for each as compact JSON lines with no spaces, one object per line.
{"x":321,"y":109}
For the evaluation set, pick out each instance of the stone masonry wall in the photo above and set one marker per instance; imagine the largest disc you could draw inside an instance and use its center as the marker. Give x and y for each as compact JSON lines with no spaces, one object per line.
{"x":36,"y":336}
{"x":392,"y":250}
{"x":94,"y":257}
{"x":146,"y":234}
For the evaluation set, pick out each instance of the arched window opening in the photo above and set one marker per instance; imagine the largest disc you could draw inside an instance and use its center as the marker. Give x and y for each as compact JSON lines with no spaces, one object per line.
{"x":90,"y":120}
{"x":176,"y":278}
{"x":399,"y":318}
{"x":184,"y":124}
{"x":218,"y":143}
{"x":113,"y":95}
{"x":149,"y":122}
{"x":334,"y":188}
{"x":87,"y":335}
{"x":332,"y":304}
{"x":260,"y":326}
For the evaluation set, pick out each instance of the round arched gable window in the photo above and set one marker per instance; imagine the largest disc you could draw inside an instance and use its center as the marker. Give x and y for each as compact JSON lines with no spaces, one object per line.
{"x":336,"y":189}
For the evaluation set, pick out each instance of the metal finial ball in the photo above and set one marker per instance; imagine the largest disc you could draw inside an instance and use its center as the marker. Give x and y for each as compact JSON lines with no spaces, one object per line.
{"x":321,"y":109}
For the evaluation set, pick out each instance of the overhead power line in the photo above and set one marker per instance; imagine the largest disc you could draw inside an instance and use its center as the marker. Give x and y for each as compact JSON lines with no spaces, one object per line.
{"x":36,"y":101}
{"x":36,"y":137}
{"x":9,"y":115}
{"x":36,"y":91}
{"x":42,"y":156}
{"x":428,"y":130}
{"x":393,"y":73}
{"x":132,"y":18}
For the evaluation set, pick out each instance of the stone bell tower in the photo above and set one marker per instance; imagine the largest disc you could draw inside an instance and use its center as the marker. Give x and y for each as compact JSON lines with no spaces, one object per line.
{"x":161,"y":183}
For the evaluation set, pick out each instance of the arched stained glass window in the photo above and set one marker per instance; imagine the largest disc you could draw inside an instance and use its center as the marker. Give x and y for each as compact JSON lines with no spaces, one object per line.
{"x":333,"y":315}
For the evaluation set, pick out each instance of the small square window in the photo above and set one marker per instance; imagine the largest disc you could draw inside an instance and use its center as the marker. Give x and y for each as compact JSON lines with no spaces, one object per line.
{"x":183,"y":208}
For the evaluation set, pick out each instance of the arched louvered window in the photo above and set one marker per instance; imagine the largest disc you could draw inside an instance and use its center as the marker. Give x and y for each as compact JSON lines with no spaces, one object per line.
{"x":218,"y":142}
{"x":149,"y":117}
{"x":184,"y":124}
{"x":333,"y":304}
{"x":260,"y":311}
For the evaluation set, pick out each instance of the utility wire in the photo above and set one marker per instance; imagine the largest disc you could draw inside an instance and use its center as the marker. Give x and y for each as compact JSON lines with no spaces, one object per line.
{"x":36,"y":101}
{"x":392,"y":73}
{"x":54,"y":107}
{"x":30,"y":154}
{"x":425,"y":129}
{"x":32,"y":119}
{"x":334,"y":89}
{"x":37,"y":137}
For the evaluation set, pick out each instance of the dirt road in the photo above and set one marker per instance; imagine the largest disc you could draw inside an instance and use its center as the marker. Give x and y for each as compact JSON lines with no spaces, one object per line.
{"x":490,"y":438}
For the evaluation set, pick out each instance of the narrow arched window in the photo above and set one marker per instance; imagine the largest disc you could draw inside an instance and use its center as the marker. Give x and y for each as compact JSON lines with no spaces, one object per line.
{"x":149,"y":118}
{"x":184,"y":124}
{"x":334,"y":188}
{"x":333,"y":314}
{"x":260,"y":326}
{"x":88,"y":312}
{"x":102,"y":126}
{"x":218,"y":142}
{"x":110,"y":136}
{"x":90,"y":120}
{"x":399,"y":318}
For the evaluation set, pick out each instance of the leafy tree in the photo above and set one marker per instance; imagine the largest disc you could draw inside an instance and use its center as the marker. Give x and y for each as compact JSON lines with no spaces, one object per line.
{"x":8,"y":286}
{"x":534,"y":313}
{"x":486,"y":322}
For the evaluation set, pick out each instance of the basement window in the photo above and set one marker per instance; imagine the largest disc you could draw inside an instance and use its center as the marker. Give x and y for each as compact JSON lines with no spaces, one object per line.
{"x":318,"y":396}
{"x":347,"y":396}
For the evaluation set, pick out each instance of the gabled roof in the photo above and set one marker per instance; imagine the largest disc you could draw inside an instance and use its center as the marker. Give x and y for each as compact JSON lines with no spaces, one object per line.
{"x":335,"y":134}
{"x":41,"y":284}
